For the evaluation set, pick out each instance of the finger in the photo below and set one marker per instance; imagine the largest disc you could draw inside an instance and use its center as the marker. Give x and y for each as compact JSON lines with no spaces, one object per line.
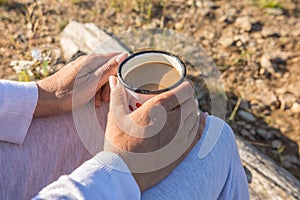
{"x":202,"y":123}
{"x":186,"y":140}
{"x":98,"y":60}
{"x":191,"y":82}
{"x":105,"y":92}
{"x":203,"y":117}
{"x":108,"y":69}
{"x":118,"y":98}
{"x":89,"y":64}
{"x":189,"y":122}
{"x":181,"y":113}
{"x":173,"y":98}
{"x":195,"y":132}
{"x":98,"y":99}
{"x":206,"y":115}
{"x":182,"y":119}
{"x":182,"y":130}
{"x":187,"y":107}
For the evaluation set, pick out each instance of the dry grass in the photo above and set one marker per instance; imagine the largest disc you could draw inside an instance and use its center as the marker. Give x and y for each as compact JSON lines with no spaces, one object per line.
{"x":3,"y":2}
{"x":270,"y":3}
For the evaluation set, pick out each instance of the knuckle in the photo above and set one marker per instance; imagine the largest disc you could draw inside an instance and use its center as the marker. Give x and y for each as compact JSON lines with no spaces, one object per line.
{"x":110,"y":66}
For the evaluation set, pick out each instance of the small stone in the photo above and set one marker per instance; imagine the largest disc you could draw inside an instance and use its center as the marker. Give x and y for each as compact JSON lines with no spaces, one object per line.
{"x":239,"y":43}
{"x":223,"y":18}
{"x":294,"y":88}
{"x":262,"y":71}
{"x":198,"y":3}
{"x":289,"y":99}
{"x":265,"y":62}
{"x":291,"y":159}
{"x":295,"y":108}
{"x":287,"y":164}
{"x":179,"y":25}
{"x":281,"y":90}
{"x":190,"y":2}
{"x":227,"y":19}
{"x":210,"y":4}
{"x":252,"y":132}
{"x":274,"y":11}
{"x":282,"y":103}
{"x":263,"y":133}
{"x":208,"y":34}
{"x":207,"y":4}
{"x":138,"y":21}
{"x":248,"y":126}
{"x":230,"y":10}
{"x":241,"y":123}
{"x":244,"y":104}
{"x":78,"y":37}
{"x":276,"y":144}
{"x":29,"y":25}
{"x":257,"y":26}
{"x":270,"y":32}
{"x":205,"y":11}
{"x":244,"y":133}
{"x":246,"y":116}
{"x":268,"y":98}
{"x":119,"y":18}
{"x":260,"y":83}
{"x":244,"y":38}
{"x":244,"y":23}
{"x":226,"y":39}
{"x":248,"y":174}
{"x":50,"y":39}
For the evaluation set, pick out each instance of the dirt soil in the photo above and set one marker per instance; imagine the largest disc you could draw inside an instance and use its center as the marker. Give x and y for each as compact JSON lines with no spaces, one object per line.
{"x":257,"y":49}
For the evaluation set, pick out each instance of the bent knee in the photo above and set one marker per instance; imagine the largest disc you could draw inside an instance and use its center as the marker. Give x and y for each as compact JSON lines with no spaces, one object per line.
{"x":218,"y":136}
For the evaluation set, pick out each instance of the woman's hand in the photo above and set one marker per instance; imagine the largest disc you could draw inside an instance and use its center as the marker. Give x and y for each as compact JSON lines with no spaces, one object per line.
{"x":157,"y":136}
{"x":91,"y":73}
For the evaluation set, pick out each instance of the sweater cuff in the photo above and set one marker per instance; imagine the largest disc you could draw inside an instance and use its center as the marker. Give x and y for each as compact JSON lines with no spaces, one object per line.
{"x":17,"y":102}
{"x":19,"y":97}
{"x":121,"y":181}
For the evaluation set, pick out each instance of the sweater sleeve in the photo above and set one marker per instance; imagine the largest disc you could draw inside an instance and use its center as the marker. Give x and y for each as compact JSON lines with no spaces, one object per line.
{"x":105,"y":176}
{"x":17,"y":104}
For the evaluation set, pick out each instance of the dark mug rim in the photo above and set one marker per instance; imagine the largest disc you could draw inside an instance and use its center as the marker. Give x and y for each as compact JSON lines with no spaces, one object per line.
{"x":142,"y":91}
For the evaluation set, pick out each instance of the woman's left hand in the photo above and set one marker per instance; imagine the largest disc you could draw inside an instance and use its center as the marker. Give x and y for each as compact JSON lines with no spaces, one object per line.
{"x":91,"y":73}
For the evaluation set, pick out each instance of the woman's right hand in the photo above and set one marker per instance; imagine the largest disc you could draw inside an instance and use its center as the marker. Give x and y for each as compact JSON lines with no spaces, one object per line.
{"x":167,"y":124}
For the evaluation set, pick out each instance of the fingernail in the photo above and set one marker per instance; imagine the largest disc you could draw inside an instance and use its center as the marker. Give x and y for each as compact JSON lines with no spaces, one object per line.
{"x":206,"y":115}
{"x":121,"y":57}
{"x":112,"y":82}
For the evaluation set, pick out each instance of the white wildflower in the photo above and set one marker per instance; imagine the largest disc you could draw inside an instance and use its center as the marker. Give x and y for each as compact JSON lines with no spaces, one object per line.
{"x":36,"y":54}
{"x":22,"y":65}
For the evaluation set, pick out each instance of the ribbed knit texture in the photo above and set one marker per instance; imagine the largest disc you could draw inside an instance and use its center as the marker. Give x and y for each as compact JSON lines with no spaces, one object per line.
{"x":17,"y":104}
{"x":105,"y":176}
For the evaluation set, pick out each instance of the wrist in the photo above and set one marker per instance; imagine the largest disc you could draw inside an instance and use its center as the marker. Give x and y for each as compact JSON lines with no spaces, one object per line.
{"x":48,"y":103}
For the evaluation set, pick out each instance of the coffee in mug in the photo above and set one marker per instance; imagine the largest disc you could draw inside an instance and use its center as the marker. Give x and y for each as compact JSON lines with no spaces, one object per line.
{"x":152,"y":76}
{"x":147,"y":73}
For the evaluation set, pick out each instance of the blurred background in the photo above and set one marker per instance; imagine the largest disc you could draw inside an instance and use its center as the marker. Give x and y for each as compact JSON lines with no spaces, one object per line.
{"x":254,"y":43}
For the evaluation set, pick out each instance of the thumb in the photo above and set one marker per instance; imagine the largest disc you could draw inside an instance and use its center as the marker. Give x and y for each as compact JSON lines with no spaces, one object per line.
{"x":118,"y":97}
{"x":109,"y":68}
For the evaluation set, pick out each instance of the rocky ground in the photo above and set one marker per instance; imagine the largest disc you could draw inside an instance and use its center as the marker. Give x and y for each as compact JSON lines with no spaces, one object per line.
{"x":256,"y":48}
